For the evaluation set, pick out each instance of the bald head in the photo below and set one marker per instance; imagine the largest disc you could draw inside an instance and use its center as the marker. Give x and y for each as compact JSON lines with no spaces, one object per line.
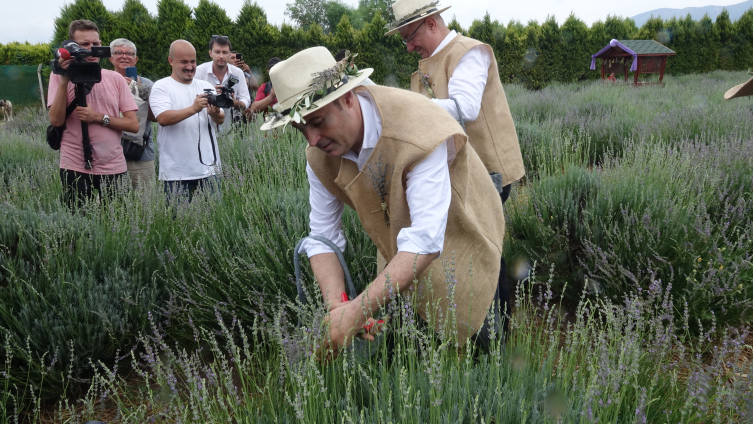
{"x":182,"y":58}
{"x":181,"y":46}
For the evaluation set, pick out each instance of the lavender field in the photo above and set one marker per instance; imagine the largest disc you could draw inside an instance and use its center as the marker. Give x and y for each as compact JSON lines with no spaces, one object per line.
{"x":629,"y":240}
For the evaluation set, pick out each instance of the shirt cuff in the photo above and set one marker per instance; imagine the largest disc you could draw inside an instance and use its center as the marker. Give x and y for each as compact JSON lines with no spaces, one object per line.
{"x":313,"y":247}
{"x":417,"y":241}
{"x":449,"y":106}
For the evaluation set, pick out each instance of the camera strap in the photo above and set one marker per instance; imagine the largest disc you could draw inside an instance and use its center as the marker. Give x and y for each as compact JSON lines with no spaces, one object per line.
{"x":211,"y":139}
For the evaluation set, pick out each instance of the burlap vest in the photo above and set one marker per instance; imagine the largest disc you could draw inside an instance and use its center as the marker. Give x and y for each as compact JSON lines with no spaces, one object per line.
{"x":492,"y":134}
{"x":412,"y":127}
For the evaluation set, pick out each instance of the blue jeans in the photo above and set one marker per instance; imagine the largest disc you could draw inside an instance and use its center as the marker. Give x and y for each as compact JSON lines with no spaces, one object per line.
{"x":186,"y":188}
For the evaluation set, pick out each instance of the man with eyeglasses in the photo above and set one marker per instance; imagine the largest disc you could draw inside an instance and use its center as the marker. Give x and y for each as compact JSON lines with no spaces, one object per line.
{"x":107,"y":101}
{"x":218,"y":71}
{"x":460,"y":74}
{"x":138,"y":148}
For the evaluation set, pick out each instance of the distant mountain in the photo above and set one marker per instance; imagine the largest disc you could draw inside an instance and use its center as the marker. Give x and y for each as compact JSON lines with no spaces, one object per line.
{"x":735,"y":11}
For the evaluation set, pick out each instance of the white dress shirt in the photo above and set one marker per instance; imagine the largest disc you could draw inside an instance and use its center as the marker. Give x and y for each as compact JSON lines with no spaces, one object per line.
{"x":204,"y":72}
{"x":428,"y":194}
{"x":467,"y":82}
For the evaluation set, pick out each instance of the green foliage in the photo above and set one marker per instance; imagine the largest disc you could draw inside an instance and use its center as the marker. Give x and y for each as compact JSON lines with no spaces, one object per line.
{"x":136,"y":24}
{"x":175,"y":23}
{"x":209,"y":19}
{"x":92,"y":10}
{"x":532,"y":54}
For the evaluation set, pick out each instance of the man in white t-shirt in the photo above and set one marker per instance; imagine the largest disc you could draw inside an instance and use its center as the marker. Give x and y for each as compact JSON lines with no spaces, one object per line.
{"x":179,"y":104}
{"x":218,"y":72}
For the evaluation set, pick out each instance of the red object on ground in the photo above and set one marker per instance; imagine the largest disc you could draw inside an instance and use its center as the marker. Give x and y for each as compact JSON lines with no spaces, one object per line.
{"x":344,"y":297}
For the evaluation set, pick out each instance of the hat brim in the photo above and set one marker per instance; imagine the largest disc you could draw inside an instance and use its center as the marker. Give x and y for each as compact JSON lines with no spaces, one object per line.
{"x":331,"y":97}
{"x":413,"y":19}
{"x":742,"y":90}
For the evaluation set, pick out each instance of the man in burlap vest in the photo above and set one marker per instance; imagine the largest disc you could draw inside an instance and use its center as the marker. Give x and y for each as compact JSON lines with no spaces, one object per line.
{"x":418,"y":187}
{"x":460,"y":74}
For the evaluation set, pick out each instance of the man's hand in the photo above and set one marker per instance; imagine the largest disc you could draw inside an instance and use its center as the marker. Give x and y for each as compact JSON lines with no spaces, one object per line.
{"x":213,"y":110}
{"x":88,"y":115}
{"x":218,"y":87}
{"x":345,"y":323}
{"x":64,"y":63}
{"x":199,"y":103}
{"x":272,"y":94}
{"x":239,"y":104}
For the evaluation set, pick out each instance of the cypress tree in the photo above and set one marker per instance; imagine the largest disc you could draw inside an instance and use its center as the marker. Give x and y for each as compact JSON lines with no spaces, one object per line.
{"x":550,"y":51}
{"x":92,"y":10}
{"x":743,"y":41}
{"x":255,"y":38}
{"x":533,"y":73}
{"x":209,"y":19}
{"x":726,"y":36}
{"x":454,"y":25}
{"x":174,"y":23}
{"x":345,"y":35}
{"x":708,"y":44}
{"x":576,"y":58}
{"x":136,"y":24}
{"x":510,"y":53}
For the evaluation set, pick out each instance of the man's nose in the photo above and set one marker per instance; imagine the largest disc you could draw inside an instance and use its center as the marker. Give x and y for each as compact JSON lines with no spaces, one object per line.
{"x":312,"y":137}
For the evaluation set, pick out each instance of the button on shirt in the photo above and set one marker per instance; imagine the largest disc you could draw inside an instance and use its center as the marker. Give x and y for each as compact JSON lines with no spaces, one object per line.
{"x":428,"y":194}
{"x":468,"y":81}
{"x":204,"y":72}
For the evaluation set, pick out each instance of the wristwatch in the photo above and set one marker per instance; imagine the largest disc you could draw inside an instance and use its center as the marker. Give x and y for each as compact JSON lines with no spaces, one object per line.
{"x":105,"y":121}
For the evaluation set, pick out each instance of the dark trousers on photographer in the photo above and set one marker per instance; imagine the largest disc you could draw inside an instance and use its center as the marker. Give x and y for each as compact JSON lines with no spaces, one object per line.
{"x":78,"y":187}
{"x":185,"y":188}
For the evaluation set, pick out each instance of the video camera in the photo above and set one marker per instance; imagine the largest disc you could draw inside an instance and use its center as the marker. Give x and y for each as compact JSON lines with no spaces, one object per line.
{"x":80,"y":71}
{"x":223,"y":100}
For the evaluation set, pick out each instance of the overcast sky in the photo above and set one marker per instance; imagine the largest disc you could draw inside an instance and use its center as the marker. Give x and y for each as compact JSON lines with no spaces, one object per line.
{"x":32,"y":20}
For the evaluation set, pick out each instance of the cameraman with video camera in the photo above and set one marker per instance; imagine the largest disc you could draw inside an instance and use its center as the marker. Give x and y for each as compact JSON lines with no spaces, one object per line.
{"x":181,"y":103}
{"x":225,"y":77}
{"x":103,"y":164}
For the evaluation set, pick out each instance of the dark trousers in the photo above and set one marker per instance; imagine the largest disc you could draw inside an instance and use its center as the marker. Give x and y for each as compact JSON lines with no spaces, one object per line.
{"x":501,"y":313}
{"x":78,"y":186}
{"x":186,"y":188}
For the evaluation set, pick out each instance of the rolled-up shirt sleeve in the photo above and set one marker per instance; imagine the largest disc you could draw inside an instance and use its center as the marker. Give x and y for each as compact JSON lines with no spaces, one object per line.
{"x":241,"y":91}
{"x":325,"y":218}
{"x":467,"y":84}
{"x":429,"y":193}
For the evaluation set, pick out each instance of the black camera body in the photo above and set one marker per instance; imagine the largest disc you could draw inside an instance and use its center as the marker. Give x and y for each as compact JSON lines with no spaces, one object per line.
{"x":223,"y":100}
{"x":80,"y":71}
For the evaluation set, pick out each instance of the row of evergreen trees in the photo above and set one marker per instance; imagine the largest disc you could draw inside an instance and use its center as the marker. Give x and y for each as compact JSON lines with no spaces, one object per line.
{"x":534,"y":54}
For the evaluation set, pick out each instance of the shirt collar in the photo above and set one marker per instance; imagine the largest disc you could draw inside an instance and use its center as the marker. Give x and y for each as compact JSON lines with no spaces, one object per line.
{"x":372,"y":128}
{"x":445,"y":42}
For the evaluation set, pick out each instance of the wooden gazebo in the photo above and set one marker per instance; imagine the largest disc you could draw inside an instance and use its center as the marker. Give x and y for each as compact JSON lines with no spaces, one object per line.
{"x":639,"y":56}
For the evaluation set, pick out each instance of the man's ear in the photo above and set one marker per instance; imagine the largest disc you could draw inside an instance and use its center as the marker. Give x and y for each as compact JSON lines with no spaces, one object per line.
{"x":431,"y":23}
{"x":349,"y":98}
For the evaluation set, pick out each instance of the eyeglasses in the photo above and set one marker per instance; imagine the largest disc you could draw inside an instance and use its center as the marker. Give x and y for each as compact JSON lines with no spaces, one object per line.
{"x":410,"y":37}
{"x":221,"y":36}
{"x":128,"y":54}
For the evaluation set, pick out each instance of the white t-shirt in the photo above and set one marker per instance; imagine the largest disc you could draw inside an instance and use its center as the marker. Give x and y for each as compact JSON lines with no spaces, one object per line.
{"x":178,"y":144}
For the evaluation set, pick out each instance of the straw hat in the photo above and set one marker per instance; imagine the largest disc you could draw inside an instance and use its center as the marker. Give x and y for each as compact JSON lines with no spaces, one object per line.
{"x":308,"y":80}
{"x":741,"y":90}
{"x":408,"y":11}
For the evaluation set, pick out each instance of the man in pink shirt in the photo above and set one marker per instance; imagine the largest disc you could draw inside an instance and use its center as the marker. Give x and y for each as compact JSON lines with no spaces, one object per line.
{"x":108,"y":100}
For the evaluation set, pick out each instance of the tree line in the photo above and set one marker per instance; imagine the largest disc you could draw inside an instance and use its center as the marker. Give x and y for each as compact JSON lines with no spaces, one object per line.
{"x":533,"y":54}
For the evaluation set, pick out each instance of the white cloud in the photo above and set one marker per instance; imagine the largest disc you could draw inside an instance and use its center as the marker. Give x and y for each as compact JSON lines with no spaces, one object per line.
{"x":33,"y":20}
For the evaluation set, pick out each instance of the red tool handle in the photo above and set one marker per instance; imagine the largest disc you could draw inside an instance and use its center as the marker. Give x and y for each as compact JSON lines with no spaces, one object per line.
{"x":343,"y":297}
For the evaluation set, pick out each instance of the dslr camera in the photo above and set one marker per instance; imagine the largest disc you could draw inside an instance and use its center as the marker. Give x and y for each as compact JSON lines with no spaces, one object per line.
{"x":223,"y":100}
{"x":79,"y":71}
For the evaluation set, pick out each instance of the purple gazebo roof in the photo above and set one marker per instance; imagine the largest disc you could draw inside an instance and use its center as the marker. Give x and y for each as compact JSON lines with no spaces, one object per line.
{"x":615,"y":43}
